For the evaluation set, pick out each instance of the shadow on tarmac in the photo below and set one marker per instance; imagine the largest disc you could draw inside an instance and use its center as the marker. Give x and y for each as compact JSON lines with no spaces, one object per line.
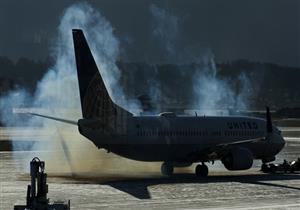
{"x":138,"y":187}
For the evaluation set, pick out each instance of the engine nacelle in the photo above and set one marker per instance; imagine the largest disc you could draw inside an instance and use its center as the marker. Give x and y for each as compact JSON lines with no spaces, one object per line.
{"x":239,"y":158}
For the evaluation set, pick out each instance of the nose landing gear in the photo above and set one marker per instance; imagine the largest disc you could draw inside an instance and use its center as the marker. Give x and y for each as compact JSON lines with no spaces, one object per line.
{"x":201,"y":170}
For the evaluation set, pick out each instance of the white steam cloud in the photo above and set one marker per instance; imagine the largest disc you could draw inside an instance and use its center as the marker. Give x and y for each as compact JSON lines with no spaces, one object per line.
{"x":58,"y":94}
{"x":165,"y":30}
{"x":211,"y":92}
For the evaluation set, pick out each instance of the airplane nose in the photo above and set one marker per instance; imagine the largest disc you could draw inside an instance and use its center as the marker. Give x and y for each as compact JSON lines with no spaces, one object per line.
{"x":277,"y":141}
{"x":280,"y":142}
{"x":279,"y":138}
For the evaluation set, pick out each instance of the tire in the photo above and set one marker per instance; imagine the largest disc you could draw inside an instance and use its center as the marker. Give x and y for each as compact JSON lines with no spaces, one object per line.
{"x":265,"y":168}
{"x":167,"y":169}
{"x":273,"y":169}
{"x":201,"y":171}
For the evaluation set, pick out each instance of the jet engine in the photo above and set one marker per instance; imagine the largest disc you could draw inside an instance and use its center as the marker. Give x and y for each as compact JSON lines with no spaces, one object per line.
{"x":238,"y":158}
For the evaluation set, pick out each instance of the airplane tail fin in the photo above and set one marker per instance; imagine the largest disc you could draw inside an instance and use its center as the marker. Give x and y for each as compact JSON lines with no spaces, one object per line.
{"x":96,"y":102}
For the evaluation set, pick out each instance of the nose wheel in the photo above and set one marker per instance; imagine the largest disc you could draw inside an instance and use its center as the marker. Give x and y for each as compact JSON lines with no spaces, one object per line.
{"x":201,"y":170}
{"x":167,"y":169}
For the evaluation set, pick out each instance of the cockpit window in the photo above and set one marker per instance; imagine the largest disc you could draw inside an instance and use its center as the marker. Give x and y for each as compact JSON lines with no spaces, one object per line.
{"x":277,"y":131}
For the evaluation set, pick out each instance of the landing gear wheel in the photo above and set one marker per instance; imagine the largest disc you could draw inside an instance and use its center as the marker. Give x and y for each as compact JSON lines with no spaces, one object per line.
{"x":265,"y":168}
{"x":273,"y":169}
{"x":201,"y":170}
{"x":167,"y":169}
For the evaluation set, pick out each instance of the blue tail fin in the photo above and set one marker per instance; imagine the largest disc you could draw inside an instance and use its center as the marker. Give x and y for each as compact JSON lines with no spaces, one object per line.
{"x":96,"y":102}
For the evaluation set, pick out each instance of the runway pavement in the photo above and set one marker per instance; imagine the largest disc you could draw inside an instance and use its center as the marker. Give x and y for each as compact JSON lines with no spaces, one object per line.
{"x":109,"y":182}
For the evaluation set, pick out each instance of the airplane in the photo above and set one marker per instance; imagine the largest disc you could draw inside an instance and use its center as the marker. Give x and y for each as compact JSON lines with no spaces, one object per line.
{"x":176,"y":141}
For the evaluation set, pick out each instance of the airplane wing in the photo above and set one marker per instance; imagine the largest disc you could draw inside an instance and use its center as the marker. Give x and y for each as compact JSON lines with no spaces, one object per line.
{"x":214,"y":152}
{"x":242,"y":142}
{"x":55,"y":118}
{"x":219,"y":149}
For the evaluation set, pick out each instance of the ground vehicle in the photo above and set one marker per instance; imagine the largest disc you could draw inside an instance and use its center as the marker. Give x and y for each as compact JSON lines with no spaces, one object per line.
{"x":284,"y":167}
{"x":295,"y":165}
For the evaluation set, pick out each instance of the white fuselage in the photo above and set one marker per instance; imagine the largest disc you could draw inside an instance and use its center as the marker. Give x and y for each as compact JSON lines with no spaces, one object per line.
{"x":185,"y":138}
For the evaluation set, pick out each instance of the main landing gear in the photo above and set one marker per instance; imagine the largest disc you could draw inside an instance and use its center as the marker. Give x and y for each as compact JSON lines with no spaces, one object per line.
{"x":201,"y":170}
{"x":167,"y":169}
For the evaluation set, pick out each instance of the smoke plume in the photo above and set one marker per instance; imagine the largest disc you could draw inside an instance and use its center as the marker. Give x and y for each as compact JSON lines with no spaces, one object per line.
{"x":211,"y":91}
{"x":58,"y":95}
{"x":165,"y":30}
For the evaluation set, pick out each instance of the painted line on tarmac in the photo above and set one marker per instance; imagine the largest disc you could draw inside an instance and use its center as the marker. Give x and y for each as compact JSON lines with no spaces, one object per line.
{"x":260,"y":207}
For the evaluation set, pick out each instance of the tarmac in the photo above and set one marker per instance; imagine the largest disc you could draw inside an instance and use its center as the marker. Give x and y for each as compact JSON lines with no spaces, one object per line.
{"x":106,"y":181}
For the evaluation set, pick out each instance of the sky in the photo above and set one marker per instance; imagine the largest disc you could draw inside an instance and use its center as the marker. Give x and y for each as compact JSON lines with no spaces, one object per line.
{"x":257,"y":30}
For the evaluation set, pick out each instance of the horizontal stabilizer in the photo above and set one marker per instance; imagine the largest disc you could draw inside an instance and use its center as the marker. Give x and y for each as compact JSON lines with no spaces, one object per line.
{"x":55,"y":118}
